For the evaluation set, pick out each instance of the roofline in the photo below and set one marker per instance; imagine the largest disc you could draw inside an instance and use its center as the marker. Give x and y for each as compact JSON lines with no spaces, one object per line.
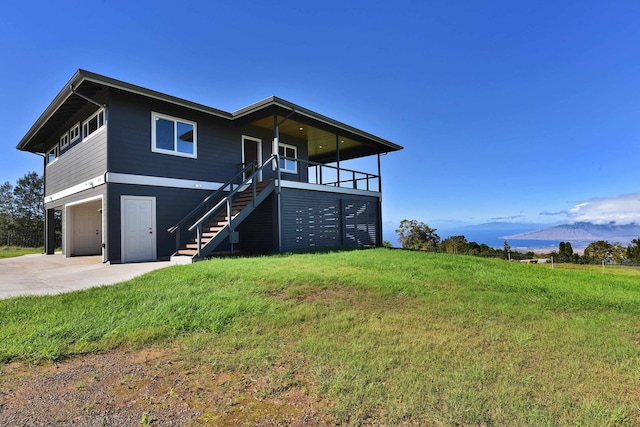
{"x":279,"y":102}
{"x":81,"y":76}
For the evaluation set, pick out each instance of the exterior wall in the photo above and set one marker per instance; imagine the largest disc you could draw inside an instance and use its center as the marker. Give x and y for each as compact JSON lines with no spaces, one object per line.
{"x":79,"y":162}
{"x":219,"y":144}
{"x":316,"y":219}
{"x":172,"y":204}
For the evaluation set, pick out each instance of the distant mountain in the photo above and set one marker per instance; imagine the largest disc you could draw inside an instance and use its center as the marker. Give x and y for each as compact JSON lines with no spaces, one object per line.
{"x":582,"y":231}
{"x":501,"y":226}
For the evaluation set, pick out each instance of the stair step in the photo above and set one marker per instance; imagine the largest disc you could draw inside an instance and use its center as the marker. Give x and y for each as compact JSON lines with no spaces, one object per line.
{"x":188,"y":252}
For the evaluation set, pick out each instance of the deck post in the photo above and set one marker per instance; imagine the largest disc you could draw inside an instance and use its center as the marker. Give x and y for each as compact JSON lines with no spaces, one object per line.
{"x":50,"y":232}
{"x":379,"y":175}
{"x":338,"y":158}
{"x":276,"y":152}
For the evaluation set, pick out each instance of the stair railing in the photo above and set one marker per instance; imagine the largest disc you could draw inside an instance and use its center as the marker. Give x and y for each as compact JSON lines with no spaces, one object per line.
{"x":230,"y":183}
{"x":228,"y":200}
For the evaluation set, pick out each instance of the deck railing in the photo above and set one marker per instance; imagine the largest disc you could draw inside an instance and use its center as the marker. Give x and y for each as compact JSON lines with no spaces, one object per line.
{"x":323,"y":174}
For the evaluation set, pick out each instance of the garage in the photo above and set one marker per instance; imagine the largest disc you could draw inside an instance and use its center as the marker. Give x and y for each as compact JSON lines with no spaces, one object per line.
{"x":83,"y":224}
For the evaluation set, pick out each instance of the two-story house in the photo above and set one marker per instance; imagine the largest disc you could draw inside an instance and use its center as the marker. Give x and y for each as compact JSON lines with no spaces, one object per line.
{"x":140,"y":175}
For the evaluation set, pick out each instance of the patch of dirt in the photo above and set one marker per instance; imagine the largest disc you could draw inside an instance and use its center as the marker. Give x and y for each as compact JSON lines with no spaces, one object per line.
{"x":152,"y":387}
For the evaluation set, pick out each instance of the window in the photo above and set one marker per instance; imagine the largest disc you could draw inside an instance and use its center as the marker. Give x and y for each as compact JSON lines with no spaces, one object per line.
{"x":288,"y":164}
{"x":170,"y":135}
{"x":93,"y":124}
{"x":74,"y":132}
{"x":52,"y":154}
{"x":64,"y":140}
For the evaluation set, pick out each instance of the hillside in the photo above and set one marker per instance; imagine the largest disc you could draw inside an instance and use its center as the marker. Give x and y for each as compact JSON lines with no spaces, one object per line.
{"x":367,"y":337}
{"x":582,"y":231}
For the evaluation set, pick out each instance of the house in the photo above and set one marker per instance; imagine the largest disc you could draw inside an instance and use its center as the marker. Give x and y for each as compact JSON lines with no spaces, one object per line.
{"x":140,"y":175}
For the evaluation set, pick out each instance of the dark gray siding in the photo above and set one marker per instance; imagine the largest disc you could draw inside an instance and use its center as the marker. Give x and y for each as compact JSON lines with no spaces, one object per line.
{"x":258,"y":233}
{"x":316,"y":219}
{"x":172,"y":204}
{"x":81,"y":162}
{"x":218,"y":142}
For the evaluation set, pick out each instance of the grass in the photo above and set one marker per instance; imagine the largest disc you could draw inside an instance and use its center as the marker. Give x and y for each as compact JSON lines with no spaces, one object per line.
{"x":393,"y":336}
{"x":14,"y":251}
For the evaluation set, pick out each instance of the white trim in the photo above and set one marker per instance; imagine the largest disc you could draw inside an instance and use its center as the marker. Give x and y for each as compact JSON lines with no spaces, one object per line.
{"x":87,"y":200}
{"x":94,"y":182}
{"x":75,"y":128}
{"x":159,"y":181}
{"x":64,"y":140}
{"x":175,"y":120}
{"x":67,"y":228}
{"x":258,"y":141}
{"x":295,"y":156}
{"x":328,"y":189}
{"x":56,"y":150}
{"x":123,"y":246}
{"x":95,"y":115}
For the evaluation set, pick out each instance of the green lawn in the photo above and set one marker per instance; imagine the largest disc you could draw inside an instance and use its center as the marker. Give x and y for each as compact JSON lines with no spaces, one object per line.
{"x":13,"y":251}
{"x":386,"y":335}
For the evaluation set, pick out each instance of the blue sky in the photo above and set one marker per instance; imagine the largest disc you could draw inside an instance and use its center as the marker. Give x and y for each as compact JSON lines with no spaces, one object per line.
{"x":519,"y":111}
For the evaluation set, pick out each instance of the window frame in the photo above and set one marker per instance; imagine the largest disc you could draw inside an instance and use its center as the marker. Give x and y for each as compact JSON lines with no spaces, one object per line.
{"x":85,"y":129}
{"x":283,"y":163}
{"x":56,"y":154}
{"x":75,"y":129}
{"x":175,"y":120}
{"x":64,"y":141}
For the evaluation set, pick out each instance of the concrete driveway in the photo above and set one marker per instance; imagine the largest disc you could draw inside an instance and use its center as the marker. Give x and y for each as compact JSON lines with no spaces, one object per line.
{"x":54,"y":274}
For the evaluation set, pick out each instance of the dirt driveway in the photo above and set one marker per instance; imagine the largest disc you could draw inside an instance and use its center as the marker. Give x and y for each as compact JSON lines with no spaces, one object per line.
{"x":54,"y":274}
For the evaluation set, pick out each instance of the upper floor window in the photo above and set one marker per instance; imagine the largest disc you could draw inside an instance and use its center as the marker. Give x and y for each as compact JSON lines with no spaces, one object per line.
{"x":52,"y":154}
{"x":170,"y":135}
{"x":64,"y":140}
{"x":74,"y":132}
{"x":93,"y":124}
{"x":291,"y":153}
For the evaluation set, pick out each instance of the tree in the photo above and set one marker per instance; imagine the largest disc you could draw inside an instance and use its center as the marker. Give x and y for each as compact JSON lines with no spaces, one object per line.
{"x":454,"y":245}
{"x":7,"y":212}
{"x":22,"y":211}
{"x":417,"y":235}
{"x":602,"y":250}
{"x":633,"y":250}
{"x":565,"y":252}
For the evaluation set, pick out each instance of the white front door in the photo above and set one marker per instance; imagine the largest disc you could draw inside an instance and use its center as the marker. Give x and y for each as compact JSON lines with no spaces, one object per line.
{"x":138,"y":216}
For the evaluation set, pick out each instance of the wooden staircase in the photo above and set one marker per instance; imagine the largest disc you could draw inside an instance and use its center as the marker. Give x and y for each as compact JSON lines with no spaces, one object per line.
{"x":217,"y":229}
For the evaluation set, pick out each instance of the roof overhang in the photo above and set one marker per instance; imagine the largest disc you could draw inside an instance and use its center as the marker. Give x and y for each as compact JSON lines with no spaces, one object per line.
{"x":324,"y":134}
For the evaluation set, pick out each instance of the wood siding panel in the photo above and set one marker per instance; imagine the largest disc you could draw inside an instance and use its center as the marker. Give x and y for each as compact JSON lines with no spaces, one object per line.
{"x":81,"y":162}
